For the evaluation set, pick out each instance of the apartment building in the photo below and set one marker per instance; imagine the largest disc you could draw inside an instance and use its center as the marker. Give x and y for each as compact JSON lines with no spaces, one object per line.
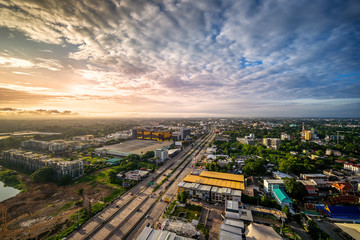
{"x":34,"y":161}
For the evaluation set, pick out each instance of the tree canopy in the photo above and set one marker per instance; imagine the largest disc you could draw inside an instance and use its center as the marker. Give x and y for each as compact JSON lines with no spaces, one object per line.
{"x":45,"y":174}
{"x":295,"y":189}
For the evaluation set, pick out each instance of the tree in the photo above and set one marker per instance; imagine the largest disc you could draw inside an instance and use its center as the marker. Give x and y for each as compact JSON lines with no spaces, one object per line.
{"x":148,"y":155}
{"x":183,"y":196}
{"x":111,"y":176}
{"x":45,"y":174}
{"x":295,"y":189}
{"x":286,"y":210}
{"x":256,"y":168}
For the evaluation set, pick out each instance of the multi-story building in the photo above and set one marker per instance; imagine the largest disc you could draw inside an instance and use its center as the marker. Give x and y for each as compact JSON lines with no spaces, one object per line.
{"x":308,"y":135}
{"x":84,"y":138}
{"x":161,"y":154}
{"x":270,"y":184}
{"x":285,"y":136}
{"x":352,"y":167}
{"x":185,"y":132}
{"x":153,"y":135}
{"x":272,"y":142}
{"x":33,"y":161}
{"x":37,"y":145}
{"x":213,"y":186}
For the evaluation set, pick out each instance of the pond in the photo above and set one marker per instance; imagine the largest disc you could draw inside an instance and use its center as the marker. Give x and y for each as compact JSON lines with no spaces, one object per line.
{"x":7,"y":192}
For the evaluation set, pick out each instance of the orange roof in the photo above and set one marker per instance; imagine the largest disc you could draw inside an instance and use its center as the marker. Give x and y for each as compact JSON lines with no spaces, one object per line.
{"x":222,"y":176}
{"x":215,"y":182}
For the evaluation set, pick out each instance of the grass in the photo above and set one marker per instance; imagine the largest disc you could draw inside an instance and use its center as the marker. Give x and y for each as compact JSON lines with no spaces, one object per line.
{"x":76,"y":220}
{"x":65,"y":207}
{"x":170,"y":208}
{"x":192,"y":211}
{"x":11,"y":178}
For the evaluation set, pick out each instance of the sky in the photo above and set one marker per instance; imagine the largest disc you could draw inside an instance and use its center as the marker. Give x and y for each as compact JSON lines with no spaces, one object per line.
{"x":171,"y":58}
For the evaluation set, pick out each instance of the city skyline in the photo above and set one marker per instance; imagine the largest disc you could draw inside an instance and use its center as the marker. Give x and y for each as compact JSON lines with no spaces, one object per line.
{"x":180,"y":59}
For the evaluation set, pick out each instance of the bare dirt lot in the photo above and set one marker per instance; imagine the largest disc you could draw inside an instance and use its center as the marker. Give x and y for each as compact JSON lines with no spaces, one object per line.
{"x":44,"y":209}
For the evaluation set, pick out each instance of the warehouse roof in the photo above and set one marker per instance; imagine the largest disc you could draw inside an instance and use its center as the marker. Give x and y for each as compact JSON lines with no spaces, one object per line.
{"x":223,"y":176}
{"x":215,"y":182}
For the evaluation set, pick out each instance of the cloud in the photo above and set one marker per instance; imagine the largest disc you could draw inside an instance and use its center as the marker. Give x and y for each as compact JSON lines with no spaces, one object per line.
{"x":18,"y":111}
{"x":217,"y":52}
{"x":8,"y":61}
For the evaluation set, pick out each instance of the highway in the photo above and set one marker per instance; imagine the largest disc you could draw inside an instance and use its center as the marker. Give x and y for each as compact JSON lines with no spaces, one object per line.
{"x":160,"y":207}
{"x":119,"y":219}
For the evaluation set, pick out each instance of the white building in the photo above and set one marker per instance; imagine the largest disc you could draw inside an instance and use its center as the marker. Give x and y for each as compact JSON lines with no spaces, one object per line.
{"x":162,"y":154}
{"x":352,"y":167}
{"x":270,"y":184}
{"x":285,"y":136}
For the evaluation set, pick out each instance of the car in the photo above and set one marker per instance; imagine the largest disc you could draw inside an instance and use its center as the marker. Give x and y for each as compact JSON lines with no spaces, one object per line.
{"x":148,"y":225}
{"x":131,"y":194}
{"x":216,"y":204}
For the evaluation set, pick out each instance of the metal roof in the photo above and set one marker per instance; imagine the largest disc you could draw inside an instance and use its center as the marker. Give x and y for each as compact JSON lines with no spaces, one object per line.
{"x":223,"y":176}
{"x":215,"y":182}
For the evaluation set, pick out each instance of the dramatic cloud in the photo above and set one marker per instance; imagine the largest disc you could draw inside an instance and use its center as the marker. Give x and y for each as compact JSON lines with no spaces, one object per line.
{"x":212,"y":57}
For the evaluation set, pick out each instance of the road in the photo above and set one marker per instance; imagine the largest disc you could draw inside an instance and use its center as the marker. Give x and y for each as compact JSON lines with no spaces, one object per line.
{"x":128,"y":208}
{"x":159,"y":208}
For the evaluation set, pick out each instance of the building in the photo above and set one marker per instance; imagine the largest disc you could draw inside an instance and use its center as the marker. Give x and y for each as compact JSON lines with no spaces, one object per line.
{"x":342,"y":212}
{"x":333,"y":152}
{"x":136,"y":175}
{"x":280,"y":175}
{"x":151,"y":234}
{"x":34,"y":161}
{"x":285,"y":136}
{"x":352,"y":167}
{"x":313,"y":176}
{"x":50,"y":146}
{"x":270,"y":184}
{"x":272,"y":142}
{"x":281,"y":197}
{"x":153,"y":135}
{"x":261,"y":232}
{"x":308,"y":135}
{"x":161,"y":154}
{"x":84,"y":138}
{"x":185,"y":133}
{"x":344,"y":187}
{"x":213,"y":186}
{"x":232,"y":211}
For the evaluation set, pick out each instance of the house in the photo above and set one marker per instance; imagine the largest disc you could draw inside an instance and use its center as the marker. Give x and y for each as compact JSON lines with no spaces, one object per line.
{"x":344,"y":188}
{"x":280,"y":175}
{"x":313,"y":192}
{"x":270,"y":184}
{"x":312,"y":176}
{"x":282,"y":198}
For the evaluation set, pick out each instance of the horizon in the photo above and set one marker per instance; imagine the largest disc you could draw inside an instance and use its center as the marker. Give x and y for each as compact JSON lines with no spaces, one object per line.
{"x":173,"y":59}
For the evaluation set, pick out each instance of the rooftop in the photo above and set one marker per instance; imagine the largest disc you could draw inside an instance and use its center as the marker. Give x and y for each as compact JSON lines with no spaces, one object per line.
{"x":223,"y":176}
{"x":215,"y":182}
{"x":281,"y":195}
{"x":134,"y":146}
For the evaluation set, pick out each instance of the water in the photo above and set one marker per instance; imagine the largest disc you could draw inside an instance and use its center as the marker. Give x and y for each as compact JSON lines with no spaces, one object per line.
{"x":7,"y":192}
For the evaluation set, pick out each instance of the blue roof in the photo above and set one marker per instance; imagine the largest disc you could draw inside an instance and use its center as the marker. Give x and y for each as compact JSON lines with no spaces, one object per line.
{"x":351,"y":212}
{"x":281,"y":195}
